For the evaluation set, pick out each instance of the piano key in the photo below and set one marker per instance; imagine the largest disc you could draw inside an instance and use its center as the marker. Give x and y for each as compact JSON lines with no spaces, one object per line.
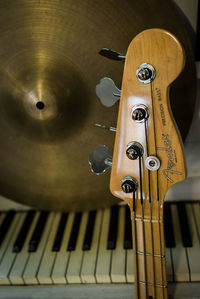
{"x":104,"y":255}
{"x":34,"y":259}
{"x":60,"y":232}
{"x":194,"y":251}
{"x":90,"y":256}
{"x":113,"y":226}
{"x":46,"y":264}
{"x":74,"y":232}
{"x":9,"y":255}
{"x":169,"y":265}
{"x":185,"y":230}
{"x":6,"y":225}
{"x":128,"y":242}
{"x":23,"y":231}
{"x":16,"y":273}
{"x":168,"y":227}
{"x":62,"y":256}
{"x":75,"y":259}
{"x":119,"y":255}
{"x":130,"y":277}
{"x":196,"y":211}
{"x":181,"y":270}
{"x":8,"y":236}
{"x":89,"y":230}
{"x":37,"y":234}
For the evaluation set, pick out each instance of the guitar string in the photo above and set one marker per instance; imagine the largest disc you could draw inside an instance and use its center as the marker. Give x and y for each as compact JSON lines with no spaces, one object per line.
{"x":143,"y":229}
{"x":150,"y":209}
{"x":158,"y":197}
{"x":135,"y":245}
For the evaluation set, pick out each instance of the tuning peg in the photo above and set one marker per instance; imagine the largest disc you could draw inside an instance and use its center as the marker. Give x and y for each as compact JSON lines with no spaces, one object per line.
{"x":107,"y":92}
{"x":112,"y":129}
{"x":108,"y":53}
{"x":100,"y":159}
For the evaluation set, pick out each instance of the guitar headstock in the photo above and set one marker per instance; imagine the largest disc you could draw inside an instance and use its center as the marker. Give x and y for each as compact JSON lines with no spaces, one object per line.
{"x":148,"y":153}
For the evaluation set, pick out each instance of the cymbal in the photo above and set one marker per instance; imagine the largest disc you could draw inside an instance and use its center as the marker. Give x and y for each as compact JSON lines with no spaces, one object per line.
{"x":49,"y":67}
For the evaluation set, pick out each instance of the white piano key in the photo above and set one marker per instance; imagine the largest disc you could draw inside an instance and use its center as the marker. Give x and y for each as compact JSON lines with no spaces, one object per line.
{"x":16,"y":272}
{"x":8,"y":236}
{"x":46,"y":265}
{"x":130,"y":277}
{"x":9,"y":255}
{"x":119,"y":254}
{"x":30,"y":272}
{"x":75,"y":259}
{"x":62,"y":257}
{"x":169,"y":266}
{"x":181,"y":270}
{"x":90,"y":256}
{"x":194,"y":251}
{"x":104,"y":255}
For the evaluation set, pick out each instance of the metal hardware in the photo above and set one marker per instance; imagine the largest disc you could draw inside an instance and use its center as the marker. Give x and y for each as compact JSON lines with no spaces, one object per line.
{"x":100,"y":159}
{"x":111,"y":129}
{"x":146,"y":73}
{"x":129,"y":184}
{"x":152,"y":163}
{"x":107,"y":92}
{"x":108,"y":53}
{"x":140,"y":113}
{"x":134,"y":150}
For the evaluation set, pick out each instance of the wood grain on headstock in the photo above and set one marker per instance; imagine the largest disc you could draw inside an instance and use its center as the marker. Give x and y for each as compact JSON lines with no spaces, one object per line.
{"x":164,"y":52}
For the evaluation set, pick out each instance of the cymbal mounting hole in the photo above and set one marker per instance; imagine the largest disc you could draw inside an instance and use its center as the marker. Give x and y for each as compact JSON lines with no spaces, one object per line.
{"x":40,"y":105}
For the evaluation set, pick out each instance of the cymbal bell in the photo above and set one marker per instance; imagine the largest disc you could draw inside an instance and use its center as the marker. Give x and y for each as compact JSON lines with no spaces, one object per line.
{"x":49,"y":67}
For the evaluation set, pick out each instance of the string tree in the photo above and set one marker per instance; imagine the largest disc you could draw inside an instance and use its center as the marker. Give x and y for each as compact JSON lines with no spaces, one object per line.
{"x":108,"y":92}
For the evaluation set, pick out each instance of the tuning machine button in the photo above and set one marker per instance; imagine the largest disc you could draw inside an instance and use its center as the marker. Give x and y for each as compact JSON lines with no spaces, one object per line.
{"x":100,"y":159}
{"x":107,"y":92}
{"x":129,"y":184}
{"x":108,"y":53}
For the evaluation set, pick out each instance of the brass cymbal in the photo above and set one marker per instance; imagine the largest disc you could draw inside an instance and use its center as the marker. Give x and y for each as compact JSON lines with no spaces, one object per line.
{"x":49,"y":67}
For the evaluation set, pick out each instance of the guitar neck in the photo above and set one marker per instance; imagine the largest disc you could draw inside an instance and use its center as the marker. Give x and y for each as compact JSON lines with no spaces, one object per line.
{"x":149,"y":256}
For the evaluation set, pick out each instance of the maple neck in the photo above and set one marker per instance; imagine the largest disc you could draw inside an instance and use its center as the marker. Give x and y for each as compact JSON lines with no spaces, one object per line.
{"x":149,"y":256}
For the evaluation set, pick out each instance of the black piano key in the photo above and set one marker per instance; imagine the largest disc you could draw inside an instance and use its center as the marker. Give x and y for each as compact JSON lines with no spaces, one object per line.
{"x":60,"y":232}
{"x":113,"y":228}
{"x":74,"y":233}
{"x":6,"y":224}
{"x":89,"y":231}
{"x":128,"y":242}
{"x":19,"y":242}
{"x":37,"y":233}
{"x":184,"y":225}
{"x":168,"y":227}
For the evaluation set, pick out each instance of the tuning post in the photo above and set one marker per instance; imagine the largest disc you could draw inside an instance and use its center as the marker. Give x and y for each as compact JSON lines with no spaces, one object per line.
{"x":134,"y":150}
{"x":111,"y":129}
{"x":100,"y":159}
{"x":107,"y":92}
{"x":129,"y":185}
{"x":108,"y":53}
{"x":152,"y":163}
{"x":140,"y":113}
{"x":145,"y":73}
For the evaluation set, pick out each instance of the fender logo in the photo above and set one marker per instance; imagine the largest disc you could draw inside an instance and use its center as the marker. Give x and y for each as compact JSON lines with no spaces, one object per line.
{"x":171,"y":158}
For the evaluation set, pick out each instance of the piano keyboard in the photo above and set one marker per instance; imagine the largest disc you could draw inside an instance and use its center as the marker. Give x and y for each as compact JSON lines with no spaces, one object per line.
{"x":91,"y":247}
